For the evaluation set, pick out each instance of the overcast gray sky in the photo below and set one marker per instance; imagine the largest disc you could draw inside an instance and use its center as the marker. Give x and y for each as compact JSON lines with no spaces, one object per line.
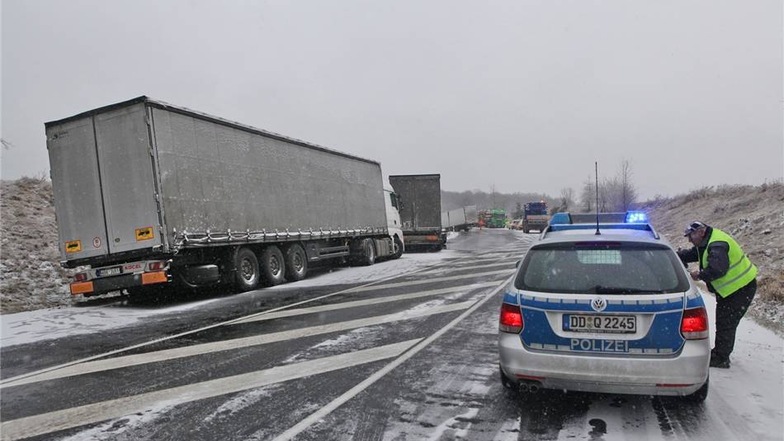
{"x":513,"y":95}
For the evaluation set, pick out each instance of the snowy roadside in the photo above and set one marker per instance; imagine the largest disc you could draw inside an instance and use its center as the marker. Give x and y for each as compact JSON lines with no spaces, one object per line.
{"x":756,"y":370}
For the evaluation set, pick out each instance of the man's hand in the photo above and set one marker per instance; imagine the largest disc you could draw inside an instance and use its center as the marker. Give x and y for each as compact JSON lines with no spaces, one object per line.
{"x":695,"y":274}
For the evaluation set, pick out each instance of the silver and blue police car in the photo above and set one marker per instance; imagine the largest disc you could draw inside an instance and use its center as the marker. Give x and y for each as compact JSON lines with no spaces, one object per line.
{"x":603,"y":304}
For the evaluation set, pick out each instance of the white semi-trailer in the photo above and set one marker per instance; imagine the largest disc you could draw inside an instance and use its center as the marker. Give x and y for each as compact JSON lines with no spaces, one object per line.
{"x":151,"y":195}
{"x":459,"y":219}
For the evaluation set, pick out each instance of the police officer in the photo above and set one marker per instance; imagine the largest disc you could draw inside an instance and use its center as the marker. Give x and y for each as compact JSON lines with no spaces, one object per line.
{"x":729,"y":274}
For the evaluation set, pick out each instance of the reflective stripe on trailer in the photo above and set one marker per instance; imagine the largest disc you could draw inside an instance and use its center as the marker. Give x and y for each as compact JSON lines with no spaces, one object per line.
{"x":156,"y":277}
{"x":81,"y":288}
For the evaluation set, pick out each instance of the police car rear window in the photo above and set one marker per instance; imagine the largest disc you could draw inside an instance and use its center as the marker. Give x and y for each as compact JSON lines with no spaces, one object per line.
{"x":602,"y":268}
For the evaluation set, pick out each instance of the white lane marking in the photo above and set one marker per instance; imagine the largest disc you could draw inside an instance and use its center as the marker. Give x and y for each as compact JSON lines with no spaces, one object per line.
{"x":436,"y":279}
{"x":237,"y":343}
{"x":370,"y":287}
{"x":351,"y":393}
{"x":466,"y":267}
{"x":483,"y":261}
{"x":205,"y":328}
{"x":366,"y":302}
{"x":96,"y":412}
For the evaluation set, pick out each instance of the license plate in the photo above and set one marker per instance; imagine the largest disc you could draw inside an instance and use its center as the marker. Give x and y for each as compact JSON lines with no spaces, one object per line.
{"x":616,"y":324}
{"x":113,"y":271}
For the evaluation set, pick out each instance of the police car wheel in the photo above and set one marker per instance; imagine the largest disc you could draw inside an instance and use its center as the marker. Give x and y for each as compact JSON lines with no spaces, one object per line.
{"x":700,"y":395}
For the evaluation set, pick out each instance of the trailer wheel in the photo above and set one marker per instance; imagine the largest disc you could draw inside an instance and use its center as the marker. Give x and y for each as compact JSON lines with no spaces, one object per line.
{"x":273,"y":266}
{"x":398,"y":248}
{"x":247,"y":274}
{"x":296,"y":263}
{"x":368,"y":252}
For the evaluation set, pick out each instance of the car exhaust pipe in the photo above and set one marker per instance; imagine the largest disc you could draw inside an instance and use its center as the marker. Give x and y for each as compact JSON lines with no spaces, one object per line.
{"x":529,"y":386}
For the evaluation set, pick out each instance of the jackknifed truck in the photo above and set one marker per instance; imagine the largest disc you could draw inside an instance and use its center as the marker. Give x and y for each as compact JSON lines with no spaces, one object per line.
{"x":149,"y":195}
{"x":459,"y":218}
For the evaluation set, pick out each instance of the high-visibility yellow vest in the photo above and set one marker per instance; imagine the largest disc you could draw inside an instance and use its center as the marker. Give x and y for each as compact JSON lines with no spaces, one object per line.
{"x":741,"y":271}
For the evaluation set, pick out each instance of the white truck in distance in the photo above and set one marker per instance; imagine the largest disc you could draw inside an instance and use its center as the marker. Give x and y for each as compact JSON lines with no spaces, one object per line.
{"x":460,"y":218}
{"x":151,"y":195}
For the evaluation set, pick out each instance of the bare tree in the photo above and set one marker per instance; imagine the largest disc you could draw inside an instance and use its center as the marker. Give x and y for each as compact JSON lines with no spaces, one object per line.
{"x":615,"y":194}
{"x":609,"y":195}
{"x":518,"y":211}
{"x":588,"y":195}
{"x":628,"y":192}
{"x":567,"y":200}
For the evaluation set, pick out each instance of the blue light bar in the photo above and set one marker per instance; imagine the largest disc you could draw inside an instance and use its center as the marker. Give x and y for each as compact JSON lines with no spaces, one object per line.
{"x":629,"y":217}
{"x":576,"y":227}
{"x":631,"y":220}
{"x":636,"y":217}
{"x":560,"y":219}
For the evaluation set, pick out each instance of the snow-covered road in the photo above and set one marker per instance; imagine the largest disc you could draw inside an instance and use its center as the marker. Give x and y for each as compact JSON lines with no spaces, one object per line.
{"x":448,"y":391}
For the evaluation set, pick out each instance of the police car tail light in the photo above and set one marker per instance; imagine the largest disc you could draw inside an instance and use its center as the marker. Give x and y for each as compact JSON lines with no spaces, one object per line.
{"x":511,"y":319}
{"x":694,"y":324}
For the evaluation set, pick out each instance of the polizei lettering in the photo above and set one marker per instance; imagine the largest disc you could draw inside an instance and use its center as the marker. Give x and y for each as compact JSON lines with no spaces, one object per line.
{"x":587,"y":344}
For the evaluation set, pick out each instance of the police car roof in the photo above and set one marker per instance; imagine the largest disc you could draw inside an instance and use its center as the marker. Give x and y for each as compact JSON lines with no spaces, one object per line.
{"x":630,"y":225}
{"x":606,"y":235}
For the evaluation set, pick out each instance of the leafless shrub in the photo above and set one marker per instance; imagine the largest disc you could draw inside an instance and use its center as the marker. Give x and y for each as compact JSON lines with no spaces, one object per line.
{"x":721,"y":207}
{"x":701,"y":193}
{"x":772,"y":288}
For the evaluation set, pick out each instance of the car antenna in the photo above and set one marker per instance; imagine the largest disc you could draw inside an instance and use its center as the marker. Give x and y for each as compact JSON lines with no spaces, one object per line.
{"x":596,"y":166}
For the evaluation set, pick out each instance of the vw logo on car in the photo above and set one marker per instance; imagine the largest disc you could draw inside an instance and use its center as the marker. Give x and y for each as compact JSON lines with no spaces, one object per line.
{"x":598,"y":304}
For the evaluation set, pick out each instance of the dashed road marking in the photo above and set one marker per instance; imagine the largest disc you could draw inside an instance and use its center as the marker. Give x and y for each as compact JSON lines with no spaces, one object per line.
{"x":237,"y":343}
{"x":351,"y":393}
{"x":366,"y":302}
{"x":106,"y":410}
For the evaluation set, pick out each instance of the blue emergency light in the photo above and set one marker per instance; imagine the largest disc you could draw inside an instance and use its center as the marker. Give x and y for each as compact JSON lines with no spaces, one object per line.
{"x":560,"y":219}
{"x":636,"y":217}
{"x":630,"y":220}
{"x":629,"y":217}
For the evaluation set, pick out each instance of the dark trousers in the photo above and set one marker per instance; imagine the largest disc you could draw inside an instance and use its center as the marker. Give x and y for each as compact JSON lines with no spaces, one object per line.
{"x":729,"y":311}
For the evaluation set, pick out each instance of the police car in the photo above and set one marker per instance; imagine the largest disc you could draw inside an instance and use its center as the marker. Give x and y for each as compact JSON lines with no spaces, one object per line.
{"x":603,"y":304}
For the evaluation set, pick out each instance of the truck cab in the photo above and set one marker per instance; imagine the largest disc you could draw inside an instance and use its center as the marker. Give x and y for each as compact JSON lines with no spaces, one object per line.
{"x":392,"y":204}
{"x":535,"y":216}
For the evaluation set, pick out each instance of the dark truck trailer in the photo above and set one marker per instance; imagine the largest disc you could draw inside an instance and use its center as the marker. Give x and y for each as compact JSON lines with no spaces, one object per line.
{"x":148,"y":194}
{"x":420,"y":214}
